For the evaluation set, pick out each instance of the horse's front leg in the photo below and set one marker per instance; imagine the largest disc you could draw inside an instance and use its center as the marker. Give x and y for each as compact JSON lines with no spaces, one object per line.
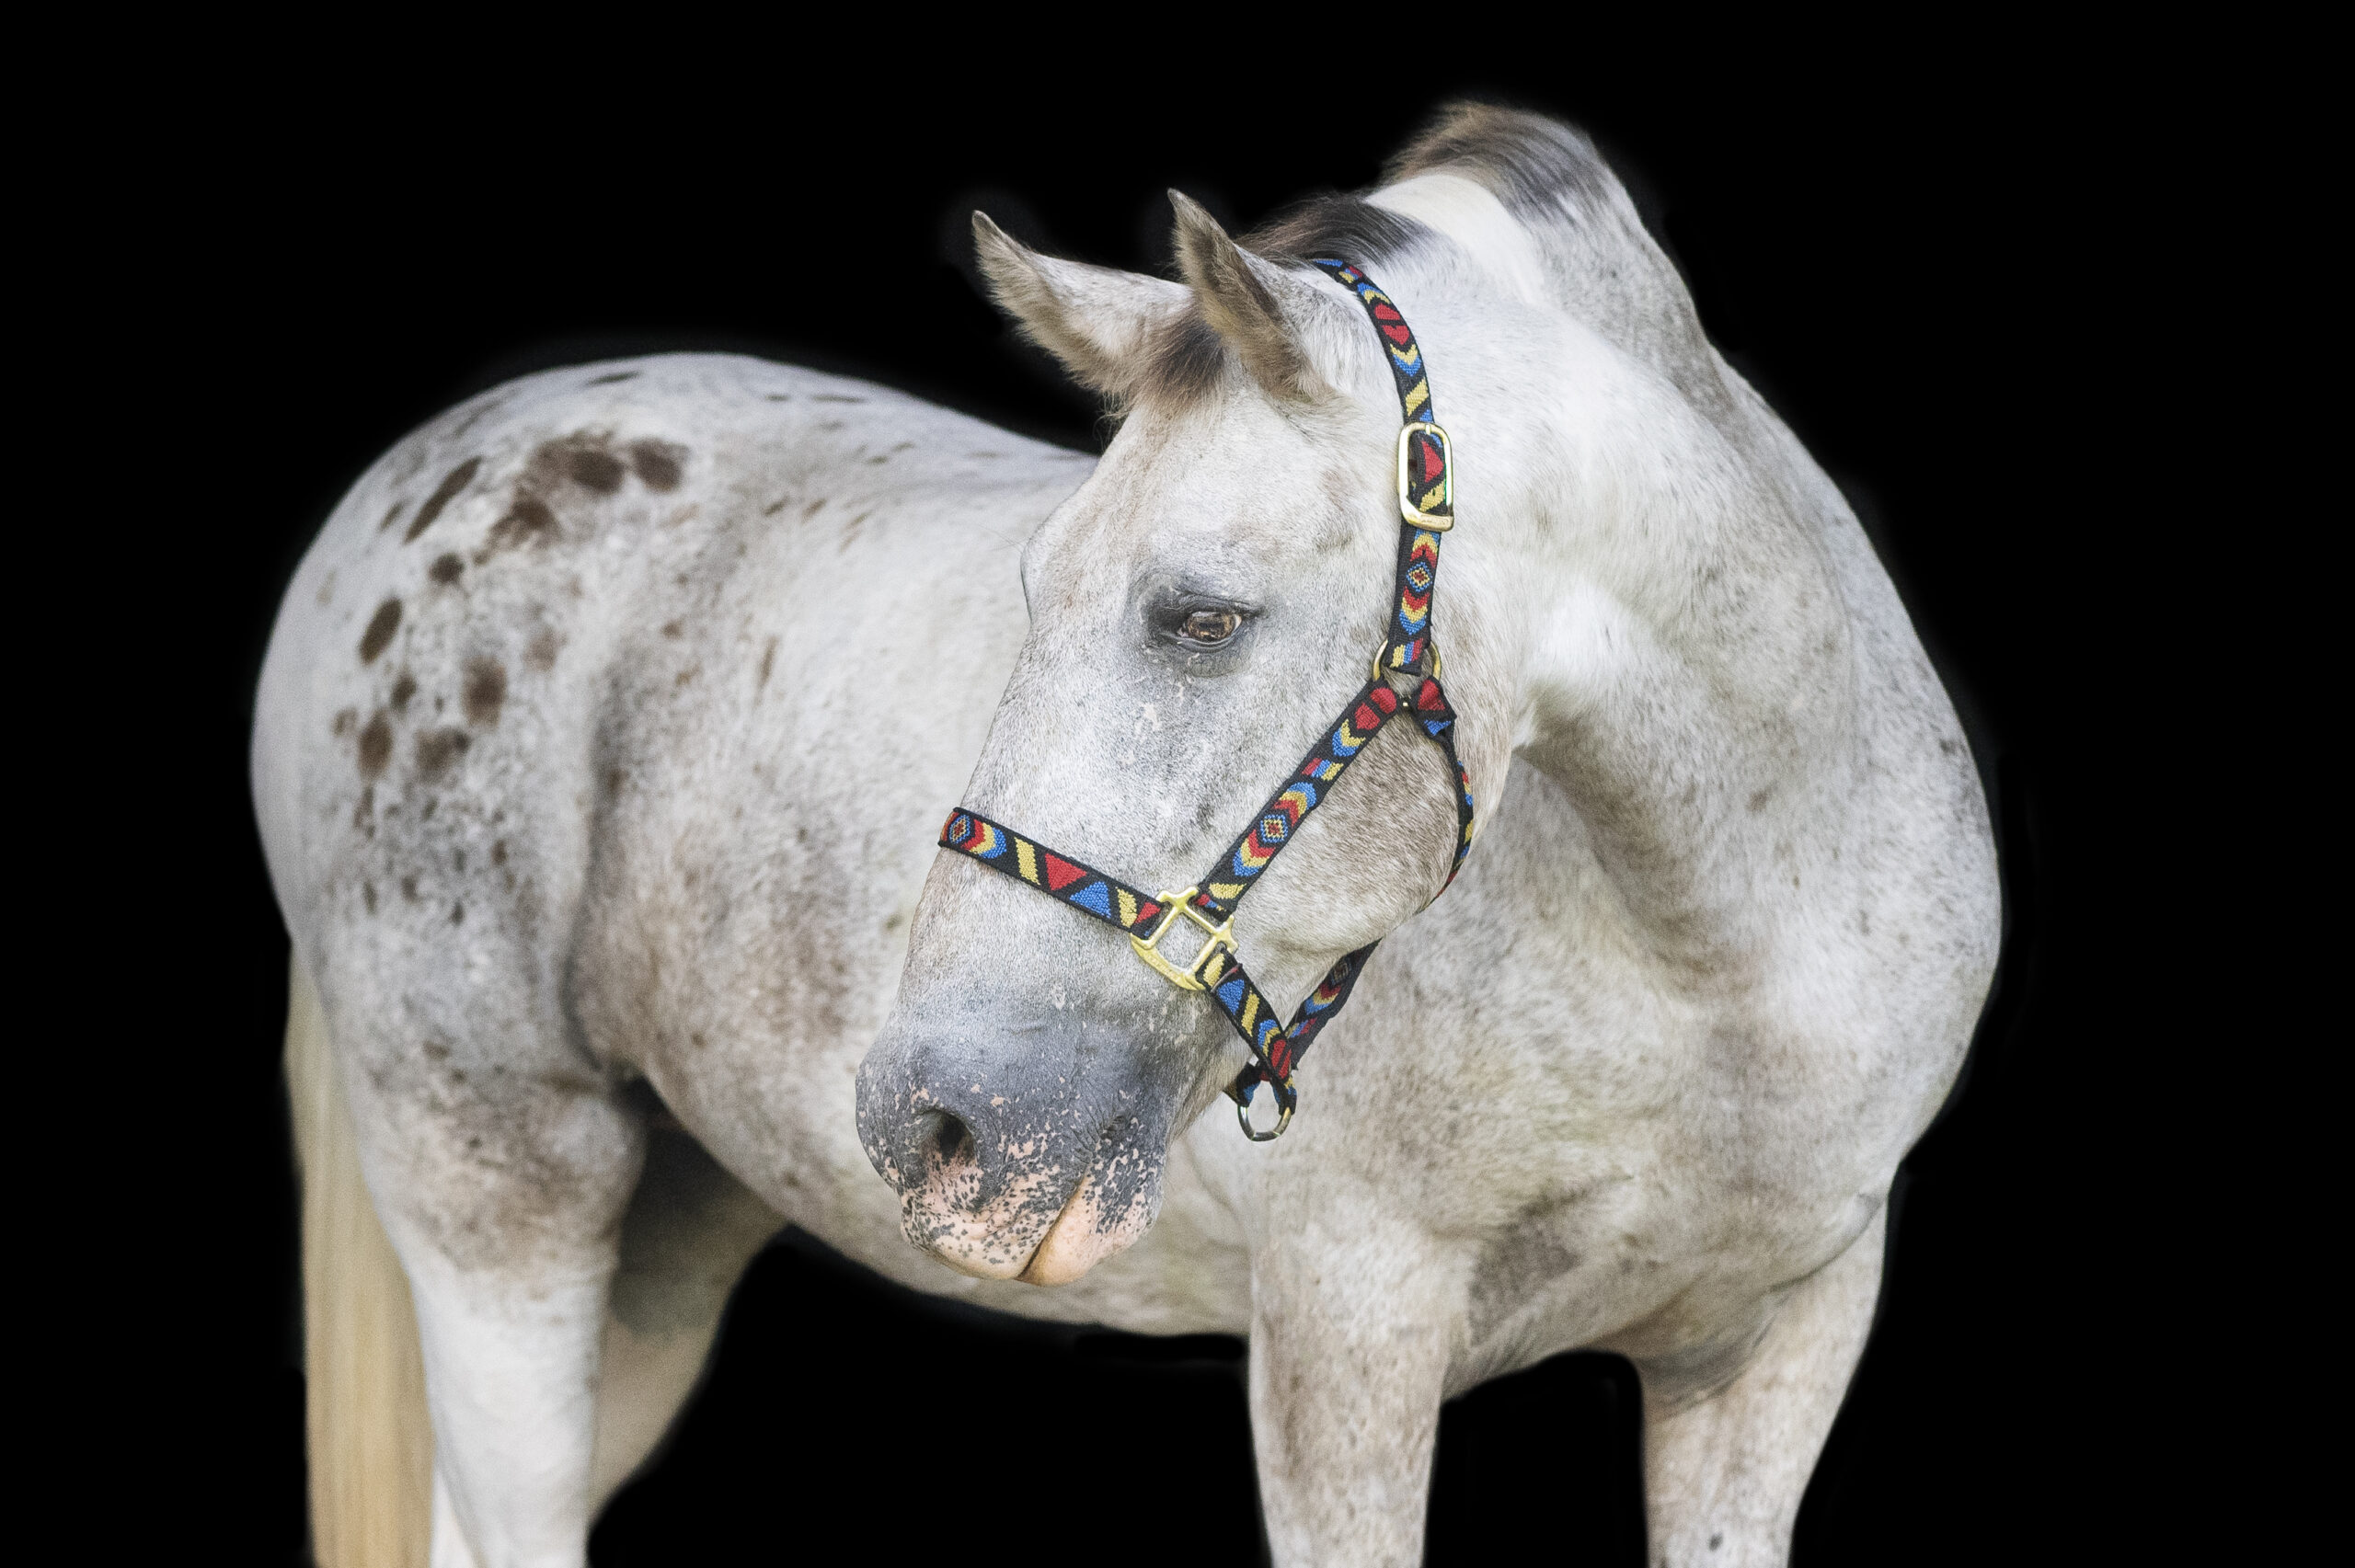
{"x":504,"y":1201}
{"x":1349,"y":1344}
{"x":1725,"y":1465}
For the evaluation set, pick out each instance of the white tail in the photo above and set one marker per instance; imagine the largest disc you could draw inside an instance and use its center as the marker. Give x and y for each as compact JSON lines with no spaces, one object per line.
{"x":370,"y":1442}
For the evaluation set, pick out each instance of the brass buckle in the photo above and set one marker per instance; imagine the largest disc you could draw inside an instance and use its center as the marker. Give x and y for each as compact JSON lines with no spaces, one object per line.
{"x":1218,"y":939}
{"x":1407,"y":508}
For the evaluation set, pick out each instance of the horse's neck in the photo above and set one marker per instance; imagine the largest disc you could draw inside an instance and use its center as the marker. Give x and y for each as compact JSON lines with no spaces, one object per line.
{"x":1687,"y":661}
{"x":1647,"y":578}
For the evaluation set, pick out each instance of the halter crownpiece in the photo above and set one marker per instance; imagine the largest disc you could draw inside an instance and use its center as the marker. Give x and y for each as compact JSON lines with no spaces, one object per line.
{"x":1426,"y":510}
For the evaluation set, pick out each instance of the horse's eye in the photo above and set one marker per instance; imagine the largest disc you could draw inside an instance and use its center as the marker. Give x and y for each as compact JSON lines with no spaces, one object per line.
{"x":1212,"y":626}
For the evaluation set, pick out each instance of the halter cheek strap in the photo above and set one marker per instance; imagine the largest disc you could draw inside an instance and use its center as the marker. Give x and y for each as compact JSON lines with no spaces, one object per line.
{"x":1404,"y":680}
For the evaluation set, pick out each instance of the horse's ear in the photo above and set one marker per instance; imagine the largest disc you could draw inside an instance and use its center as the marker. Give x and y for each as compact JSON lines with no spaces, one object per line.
{"x":1256,"y":307}
{"x":1096,"y":320}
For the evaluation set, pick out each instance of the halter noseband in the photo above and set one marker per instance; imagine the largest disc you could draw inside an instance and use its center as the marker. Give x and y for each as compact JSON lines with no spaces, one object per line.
{"x":1426,"y":509}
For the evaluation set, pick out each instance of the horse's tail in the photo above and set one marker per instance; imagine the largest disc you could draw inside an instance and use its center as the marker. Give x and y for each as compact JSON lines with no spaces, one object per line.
{"x":370,"y":1443}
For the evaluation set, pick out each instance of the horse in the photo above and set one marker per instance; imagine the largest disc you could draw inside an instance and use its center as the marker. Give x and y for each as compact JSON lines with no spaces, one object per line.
{"x":600,"y":756}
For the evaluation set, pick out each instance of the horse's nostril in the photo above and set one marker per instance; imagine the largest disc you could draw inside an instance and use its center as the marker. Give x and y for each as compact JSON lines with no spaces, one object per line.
{"x":951,"y":1137}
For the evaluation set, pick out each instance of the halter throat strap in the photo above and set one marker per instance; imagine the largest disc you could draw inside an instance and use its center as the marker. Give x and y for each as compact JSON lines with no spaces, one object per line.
{"x":1404,"y":680}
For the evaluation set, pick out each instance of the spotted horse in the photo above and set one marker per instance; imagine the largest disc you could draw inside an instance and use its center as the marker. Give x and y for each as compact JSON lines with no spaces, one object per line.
{"x":603,"y":755}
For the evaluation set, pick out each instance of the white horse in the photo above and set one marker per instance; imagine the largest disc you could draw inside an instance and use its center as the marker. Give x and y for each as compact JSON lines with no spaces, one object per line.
{"x":608,"y":728}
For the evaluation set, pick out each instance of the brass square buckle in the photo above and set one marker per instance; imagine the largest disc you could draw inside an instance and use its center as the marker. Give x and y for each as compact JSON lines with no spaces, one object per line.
{"x":1437,"y":521}
{"x":1218,"y":939}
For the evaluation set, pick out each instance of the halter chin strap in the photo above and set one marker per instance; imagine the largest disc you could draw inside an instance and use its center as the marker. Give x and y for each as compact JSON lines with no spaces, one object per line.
{"x":1404,"y":680}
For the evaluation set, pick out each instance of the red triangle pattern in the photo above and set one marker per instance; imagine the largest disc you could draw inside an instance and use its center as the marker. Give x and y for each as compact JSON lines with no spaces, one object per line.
{"x":1061,"y":872}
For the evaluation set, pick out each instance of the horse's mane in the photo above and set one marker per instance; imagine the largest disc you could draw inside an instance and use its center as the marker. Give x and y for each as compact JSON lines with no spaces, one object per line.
{"x":1601,"y":264}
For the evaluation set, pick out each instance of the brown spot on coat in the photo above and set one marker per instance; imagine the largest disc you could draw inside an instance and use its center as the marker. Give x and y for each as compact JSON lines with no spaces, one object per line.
{"x":344,"y":721}
{"x":390,"y":513}
{"x":498,"y":853}
{"x":592,"y":469}
{"x":768,"y":659}
{"x":380,"y":627}
{"x":528,"y":521}
{"x":486,"y":689}
{"x":368,"y":896}
{"x":658,"y":463}
{"x":457,"y":914}
{"x":445,"y":569}
{"x":376,"y":746}
{"x":671,"y":628}
{"x":811,"y":509}
{"x":610,"y":379}
{"x":457,"y":479}
{"x":409,"y":888}
{"x":403,"y":690}
{"x":437,"y":749}
{"x":540,"y":652}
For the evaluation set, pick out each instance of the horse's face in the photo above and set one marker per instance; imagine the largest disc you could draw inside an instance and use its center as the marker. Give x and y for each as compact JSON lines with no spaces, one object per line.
{"x":1201,"y":611}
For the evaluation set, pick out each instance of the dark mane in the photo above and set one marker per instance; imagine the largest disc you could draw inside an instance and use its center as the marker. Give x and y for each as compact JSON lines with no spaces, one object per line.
{"x":1534,"y":166}
{"x":1343,"y":228}
{"x":1601,"y":264}
{"x":1602,"y":267}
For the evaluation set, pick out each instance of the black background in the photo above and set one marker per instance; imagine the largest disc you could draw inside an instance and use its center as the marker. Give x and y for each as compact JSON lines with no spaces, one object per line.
{"x":1927,"y":279}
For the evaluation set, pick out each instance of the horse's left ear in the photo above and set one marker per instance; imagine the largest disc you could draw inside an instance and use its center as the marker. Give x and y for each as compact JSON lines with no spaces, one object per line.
{"x":1256,"y":307}
{"x":1096,"y":320}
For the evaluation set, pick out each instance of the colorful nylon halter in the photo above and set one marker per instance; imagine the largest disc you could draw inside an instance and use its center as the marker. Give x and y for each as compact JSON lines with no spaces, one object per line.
{"x":1426,"y":509}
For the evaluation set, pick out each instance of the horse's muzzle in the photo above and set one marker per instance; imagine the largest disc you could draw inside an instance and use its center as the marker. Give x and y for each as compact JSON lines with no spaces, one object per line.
{"x":1024,"y":1157}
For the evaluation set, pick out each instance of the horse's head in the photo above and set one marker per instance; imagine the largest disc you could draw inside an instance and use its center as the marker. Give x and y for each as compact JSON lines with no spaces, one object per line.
{"x":1201,"y":610}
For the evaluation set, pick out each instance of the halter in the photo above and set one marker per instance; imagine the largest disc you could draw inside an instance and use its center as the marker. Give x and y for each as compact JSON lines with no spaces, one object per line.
{"x":1426,"y":509}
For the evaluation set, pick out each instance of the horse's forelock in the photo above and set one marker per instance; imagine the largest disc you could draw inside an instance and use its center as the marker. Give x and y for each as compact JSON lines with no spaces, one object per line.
{"x":1184,"y":357}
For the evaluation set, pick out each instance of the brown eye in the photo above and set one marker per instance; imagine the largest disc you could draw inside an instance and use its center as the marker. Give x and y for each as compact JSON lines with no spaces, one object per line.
{"x":1212,"y":626}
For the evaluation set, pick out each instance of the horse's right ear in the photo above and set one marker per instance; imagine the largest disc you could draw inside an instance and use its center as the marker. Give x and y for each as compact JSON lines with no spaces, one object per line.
{"x":1096,"y":320}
